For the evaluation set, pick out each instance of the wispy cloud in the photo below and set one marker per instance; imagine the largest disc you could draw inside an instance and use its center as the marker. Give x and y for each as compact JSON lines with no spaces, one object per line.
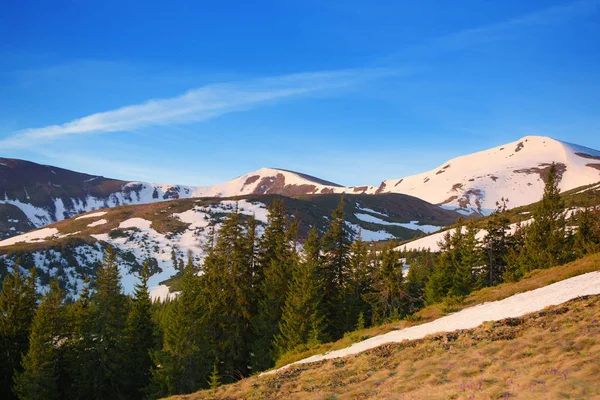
{"x":509,"y":28}
{"x":195,"y":105}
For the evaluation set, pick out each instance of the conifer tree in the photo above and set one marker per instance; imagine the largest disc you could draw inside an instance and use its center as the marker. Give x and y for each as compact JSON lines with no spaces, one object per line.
{"x":43,"y":363}
{"x":215,"y":379}
{"x":100,"y":372}
{"x":421,"y":266}
{"x":17,"y":308}
{"x":496,"y":246}
{"x":468,"y":257}
{"x":545,"y":237}
{"x":302,"y":315}
{"x":336,"y":251}
{"x":587,"y":237}
{"x":140,"y":338}
{"x":441,"y":280}
{"x":274,"y":270}
{"x":359,"y":279}
{"x":388,"y":297}
{"x":180,"y":366}
{"x":228,"y":298}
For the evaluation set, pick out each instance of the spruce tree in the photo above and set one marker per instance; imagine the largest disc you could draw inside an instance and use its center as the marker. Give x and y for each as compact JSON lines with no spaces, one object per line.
{"x":336,"y":250}
{"x":587,"y":236}
{"x":273,"y":273}
{"x":545,"y":237}
{"x":43,"y":363}
{"x":388,"y":297}
{"x":496,"y":246}
{"x":140,"y":339}
{"x":421,"y":266}
{"x":302,"y":315}
{"x":100,"y":371}
{"x":180,"y":367}
{"x":360,"y":280}
{"x":441,"y":279}
{"x":18,"y":301}
{"x":228,"y":296}
{"x":467,"y":259}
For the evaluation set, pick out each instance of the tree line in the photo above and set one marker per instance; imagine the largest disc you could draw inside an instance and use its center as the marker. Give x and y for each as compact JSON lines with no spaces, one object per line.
{"x":255,"y":299}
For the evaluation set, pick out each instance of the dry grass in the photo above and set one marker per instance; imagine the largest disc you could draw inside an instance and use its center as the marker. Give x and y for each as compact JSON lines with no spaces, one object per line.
{"x":535,"y":279}
{"x":551,"y":354}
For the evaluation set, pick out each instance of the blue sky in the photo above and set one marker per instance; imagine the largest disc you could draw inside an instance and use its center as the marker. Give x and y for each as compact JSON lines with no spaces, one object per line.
{"x":199,"y":92}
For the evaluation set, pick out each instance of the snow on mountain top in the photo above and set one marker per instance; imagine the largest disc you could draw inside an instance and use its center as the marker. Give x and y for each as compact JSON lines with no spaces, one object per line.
{"x":511,"y":307}
{"x":515,"y":171}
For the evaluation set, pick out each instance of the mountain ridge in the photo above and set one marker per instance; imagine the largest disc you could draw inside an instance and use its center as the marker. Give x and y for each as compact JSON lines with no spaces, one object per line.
{"x":36,"y":195}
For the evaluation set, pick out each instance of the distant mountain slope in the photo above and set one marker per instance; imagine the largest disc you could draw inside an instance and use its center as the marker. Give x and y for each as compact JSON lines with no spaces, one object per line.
{"x":35,"y":195}
{"x":73,"y":248}
{"x":515,"y":171}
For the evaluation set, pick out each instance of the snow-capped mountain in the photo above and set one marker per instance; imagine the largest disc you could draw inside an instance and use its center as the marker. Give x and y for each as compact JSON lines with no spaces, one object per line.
{"x":515,"y":171}
{"x":35,"y":195}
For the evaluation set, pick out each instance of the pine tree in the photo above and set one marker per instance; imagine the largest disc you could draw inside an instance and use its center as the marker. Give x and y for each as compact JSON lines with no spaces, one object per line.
{"x":545,"y":237}
{"x":180,"y":366}
{"x":100,"y":371}
{"x":467,"y":259}
{"x":215,"y":379}
{"x":440,"y":281}
{"x":228,"y":297}
{"x":302,"y":316}
{"x":359,"y":279}
{"x":274,"y":270}
{"x":587,"y":237}
{"x":42,"y":365}
{"x":336,"y":251}
{"x":18,"y":301}
{"x":388,"y":298}
{"x":496,"y":246}
{"x":140,"y":338}
{"x":421,"y":267}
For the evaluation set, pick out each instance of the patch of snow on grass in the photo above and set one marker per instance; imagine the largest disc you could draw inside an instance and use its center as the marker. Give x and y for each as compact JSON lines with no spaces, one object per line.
{"x":414,"y":225}
{"x":96,"y":223}
{"x":93,"y":215}
{"x":511,"y":307}
{"x":29,"y":237}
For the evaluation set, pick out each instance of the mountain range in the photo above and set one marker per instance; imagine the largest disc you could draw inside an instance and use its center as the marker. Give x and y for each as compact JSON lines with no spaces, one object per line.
{"x":80,"y":214}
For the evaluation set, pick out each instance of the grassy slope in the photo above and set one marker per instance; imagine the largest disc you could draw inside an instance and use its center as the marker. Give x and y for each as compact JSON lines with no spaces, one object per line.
{"x":550,"y":354}
{"x":364,"y":375}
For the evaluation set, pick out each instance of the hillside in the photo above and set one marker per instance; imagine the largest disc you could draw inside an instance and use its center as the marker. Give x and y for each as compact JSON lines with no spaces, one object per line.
{"x":73,"y":248}
{"x":515,"y":171}
{"x":496,"y":359}
{"x":37,"y":195}
{"x":574,"y":200}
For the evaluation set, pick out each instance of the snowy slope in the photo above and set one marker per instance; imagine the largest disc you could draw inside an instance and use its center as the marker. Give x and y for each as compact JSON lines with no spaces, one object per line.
{"x":515,"y":170}
{"x":511,"y":307}
{"x":37,"y":195}
{"x":73,"y":248}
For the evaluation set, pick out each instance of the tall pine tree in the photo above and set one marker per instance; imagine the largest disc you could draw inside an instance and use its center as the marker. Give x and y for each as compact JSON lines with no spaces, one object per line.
{"x":302,"y":317}
{"x":336,"y":252}
{"x":18,"y":300}
{"x":276,"y":255}
{"x":43,"y":364}
{"x":140,"y":339}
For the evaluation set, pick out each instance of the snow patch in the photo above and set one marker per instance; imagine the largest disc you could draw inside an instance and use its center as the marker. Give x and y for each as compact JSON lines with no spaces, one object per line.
{"x":93,"y":215}
{"x":511,"y":307}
